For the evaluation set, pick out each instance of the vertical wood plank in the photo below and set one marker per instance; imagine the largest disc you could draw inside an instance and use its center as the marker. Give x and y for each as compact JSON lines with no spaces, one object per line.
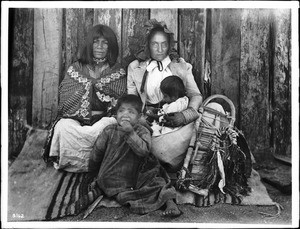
{"x":113,"y":19}
{"x":169,"y":16}
{"x":225,"y":54}
{"x":77,"y":24}
{"x":254,"y":81}
{"x":74,"y":36}
{"x":282,"y":83}
{"x":19,"y":77}
{"x":191,"y":38}
{"x":47,"y":63}
{"x":132,"y":32}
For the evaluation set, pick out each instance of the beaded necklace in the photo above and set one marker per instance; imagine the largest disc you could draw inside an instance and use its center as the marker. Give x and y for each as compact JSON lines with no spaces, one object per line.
{"x":98,"y":61}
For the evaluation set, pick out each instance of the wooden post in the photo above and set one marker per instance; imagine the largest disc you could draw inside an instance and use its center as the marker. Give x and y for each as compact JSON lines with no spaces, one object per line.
{"x":113,"y":19}
{"x":191,"y":39}
{"x":47,"y":64}
{"x":281,"y":103}
{"x":254,"y":80}
{"x":132,"y":33}
{"x":19,"y":77}
{"x":169,"y":16}
{"x":225,"y":54}
{"x":77,"y":24}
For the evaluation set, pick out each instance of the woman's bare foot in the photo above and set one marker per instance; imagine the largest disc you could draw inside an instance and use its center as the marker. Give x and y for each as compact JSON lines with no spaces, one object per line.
{"x":171,"y":210}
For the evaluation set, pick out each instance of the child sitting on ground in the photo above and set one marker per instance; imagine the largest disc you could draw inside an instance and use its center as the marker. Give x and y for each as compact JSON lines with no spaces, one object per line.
{"x":125,"y":168}
{"x":175,"y":100}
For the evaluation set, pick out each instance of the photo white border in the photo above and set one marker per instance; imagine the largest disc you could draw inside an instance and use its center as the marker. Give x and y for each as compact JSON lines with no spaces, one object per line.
{"x":293,"y":5}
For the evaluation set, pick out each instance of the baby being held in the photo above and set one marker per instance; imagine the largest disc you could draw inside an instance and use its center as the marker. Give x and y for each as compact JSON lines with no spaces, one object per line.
{"x":174,"y":99}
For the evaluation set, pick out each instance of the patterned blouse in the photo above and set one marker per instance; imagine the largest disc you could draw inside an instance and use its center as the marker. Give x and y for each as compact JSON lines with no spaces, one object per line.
{"x":83,"y":90}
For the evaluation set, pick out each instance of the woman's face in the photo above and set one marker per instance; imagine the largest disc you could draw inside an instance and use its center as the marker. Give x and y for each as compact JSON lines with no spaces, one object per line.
{"x":159,"y":46}
{"x":100,"y":48}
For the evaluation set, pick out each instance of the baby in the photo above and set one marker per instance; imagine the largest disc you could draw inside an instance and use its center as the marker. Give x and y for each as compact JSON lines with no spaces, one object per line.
{"x":175,"y":100}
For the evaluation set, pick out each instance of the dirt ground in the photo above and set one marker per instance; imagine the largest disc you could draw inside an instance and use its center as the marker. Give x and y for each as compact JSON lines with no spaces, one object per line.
{"x":225,"y":214}
{"x":217,"y":214}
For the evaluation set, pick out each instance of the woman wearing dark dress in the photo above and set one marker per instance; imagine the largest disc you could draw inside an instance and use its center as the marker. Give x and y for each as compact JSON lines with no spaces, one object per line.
{"x":89,"y":90}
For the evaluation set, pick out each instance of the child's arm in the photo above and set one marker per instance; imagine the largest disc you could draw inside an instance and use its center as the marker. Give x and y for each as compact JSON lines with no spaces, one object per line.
{"x":139,"y":142}
{"x":98,"y":152}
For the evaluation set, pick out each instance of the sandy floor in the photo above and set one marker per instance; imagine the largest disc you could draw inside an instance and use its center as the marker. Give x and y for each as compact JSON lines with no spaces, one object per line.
{"x":220,"y":214}
{"x":217,"y":214}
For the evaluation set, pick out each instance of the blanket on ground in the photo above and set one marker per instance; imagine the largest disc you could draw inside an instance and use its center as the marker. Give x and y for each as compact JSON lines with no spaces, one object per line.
{"x":38,"y":192}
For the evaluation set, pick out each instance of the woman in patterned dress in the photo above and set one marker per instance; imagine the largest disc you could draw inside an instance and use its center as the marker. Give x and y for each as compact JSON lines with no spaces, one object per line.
{"x":87,"y":95}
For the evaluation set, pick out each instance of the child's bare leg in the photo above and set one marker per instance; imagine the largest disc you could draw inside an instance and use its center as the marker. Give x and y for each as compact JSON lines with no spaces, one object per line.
{"x":171,"y":210}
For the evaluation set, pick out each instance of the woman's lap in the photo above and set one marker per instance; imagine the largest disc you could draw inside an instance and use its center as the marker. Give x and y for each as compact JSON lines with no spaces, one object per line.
{"x":73,"y":143}
{"x":171,"y":148}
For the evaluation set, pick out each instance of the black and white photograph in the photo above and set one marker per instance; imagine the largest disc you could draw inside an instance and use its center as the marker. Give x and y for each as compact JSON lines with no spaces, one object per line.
{"x":149,"y":114}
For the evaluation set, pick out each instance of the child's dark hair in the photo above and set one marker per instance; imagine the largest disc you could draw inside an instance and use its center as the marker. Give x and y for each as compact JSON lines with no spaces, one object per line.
{"x":131,"y":99}
{"x":173,"y":86}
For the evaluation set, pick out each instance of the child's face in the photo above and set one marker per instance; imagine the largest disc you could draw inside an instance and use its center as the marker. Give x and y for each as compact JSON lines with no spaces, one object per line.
{"x":128,"y":113}
{"x":168,"y":99}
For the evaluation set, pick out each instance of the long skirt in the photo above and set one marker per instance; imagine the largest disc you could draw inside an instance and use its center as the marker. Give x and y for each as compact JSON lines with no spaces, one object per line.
{"x":73,"y":143}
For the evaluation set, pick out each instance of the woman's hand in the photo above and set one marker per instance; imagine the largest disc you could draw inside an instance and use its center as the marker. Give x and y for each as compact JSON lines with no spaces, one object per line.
{"x":174,"y":119}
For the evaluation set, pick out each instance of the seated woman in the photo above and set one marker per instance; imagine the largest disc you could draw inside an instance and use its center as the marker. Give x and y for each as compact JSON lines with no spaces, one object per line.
{"x":156,"y":62}
{"x":87,"y":94}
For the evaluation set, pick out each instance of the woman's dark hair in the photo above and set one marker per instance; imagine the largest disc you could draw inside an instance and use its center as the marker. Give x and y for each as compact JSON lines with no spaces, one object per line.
{"x":134,"y":100}
{"x":86,"y":56}
{"x":173,"y":86}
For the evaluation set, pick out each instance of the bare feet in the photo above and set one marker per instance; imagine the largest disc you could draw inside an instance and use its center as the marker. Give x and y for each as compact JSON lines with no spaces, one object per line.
{"x":171,"y":210}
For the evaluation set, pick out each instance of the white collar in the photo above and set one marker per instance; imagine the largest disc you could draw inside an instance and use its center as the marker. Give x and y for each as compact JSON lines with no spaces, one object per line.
{"x":151,"y":65}
{"x":165,"y":62}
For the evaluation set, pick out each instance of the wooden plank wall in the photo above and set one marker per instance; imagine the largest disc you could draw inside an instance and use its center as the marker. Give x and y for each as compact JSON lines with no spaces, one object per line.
{"x":132,"y":32}
{"x":20,"y":77}
{"x":281,"y":97}
{"x":247,"y":52}
{"x":47,"y":65}
{"x":254,"y":77}
{"x":225,"y":54}
{"x":76,"y":23}
{"x":192,"y":34}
